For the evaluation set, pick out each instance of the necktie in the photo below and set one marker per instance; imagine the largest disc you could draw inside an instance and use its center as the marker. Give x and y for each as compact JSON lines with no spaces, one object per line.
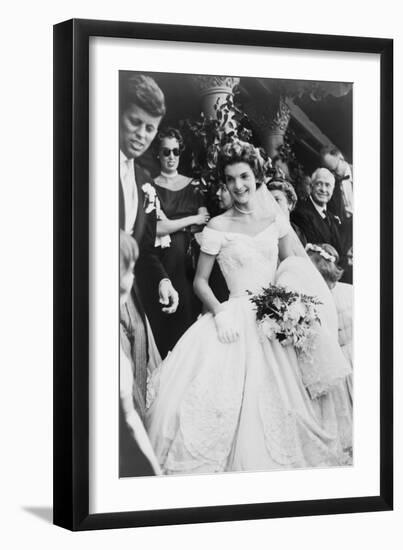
{"x":326,"y":218}
{"x":130,"y":193}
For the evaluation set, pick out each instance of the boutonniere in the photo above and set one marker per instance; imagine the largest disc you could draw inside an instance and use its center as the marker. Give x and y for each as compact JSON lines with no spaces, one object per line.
{"x":150,"y":199}
{"x":338,"y":220}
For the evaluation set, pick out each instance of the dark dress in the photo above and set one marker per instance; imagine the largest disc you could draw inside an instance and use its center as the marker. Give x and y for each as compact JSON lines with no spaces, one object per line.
{"x":178,"y":261}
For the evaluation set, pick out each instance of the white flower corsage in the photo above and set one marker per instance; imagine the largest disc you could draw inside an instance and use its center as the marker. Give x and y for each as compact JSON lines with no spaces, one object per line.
{"x":150,"y":197}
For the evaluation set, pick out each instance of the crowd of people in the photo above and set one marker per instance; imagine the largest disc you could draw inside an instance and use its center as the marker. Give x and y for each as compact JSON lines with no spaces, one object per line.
{"x":200,"y":390}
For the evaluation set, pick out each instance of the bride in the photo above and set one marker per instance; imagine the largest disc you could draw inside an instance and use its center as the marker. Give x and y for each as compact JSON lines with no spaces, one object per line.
{"x":226,"y":398}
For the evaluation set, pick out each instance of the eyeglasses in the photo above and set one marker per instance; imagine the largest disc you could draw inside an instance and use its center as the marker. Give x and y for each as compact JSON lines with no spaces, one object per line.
{"x":166,"y":152}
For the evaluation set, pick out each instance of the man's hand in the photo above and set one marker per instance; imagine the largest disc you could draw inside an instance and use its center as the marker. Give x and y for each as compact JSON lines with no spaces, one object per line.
{"x":168,"y":296}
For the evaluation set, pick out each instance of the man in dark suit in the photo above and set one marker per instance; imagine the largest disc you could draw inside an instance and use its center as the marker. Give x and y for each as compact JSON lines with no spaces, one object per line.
{"x":313,"y":217}
{"x":341,"y":203}
{"x":141,"y":108}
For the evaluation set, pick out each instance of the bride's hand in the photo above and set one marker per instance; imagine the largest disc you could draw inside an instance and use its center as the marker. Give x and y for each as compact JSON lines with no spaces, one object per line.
{"x":227,"y":328}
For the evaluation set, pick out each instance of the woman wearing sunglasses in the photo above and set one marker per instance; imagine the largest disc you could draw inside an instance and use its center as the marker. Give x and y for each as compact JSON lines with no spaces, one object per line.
{"x":182,"y":214}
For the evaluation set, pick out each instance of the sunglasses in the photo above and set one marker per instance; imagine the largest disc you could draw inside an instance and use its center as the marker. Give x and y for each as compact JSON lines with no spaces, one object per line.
{"x":166,"y":152}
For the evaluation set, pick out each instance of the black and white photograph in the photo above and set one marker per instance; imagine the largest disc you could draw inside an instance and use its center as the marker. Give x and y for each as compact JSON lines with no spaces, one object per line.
{"x":224,"y":310}
{"x":236,"y":208}
{"x":204,"y":228}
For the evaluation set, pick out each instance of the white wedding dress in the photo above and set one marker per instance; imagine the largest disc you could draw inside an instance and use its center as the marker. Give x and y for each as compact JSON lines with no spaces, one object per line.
{"x":244,"y":406}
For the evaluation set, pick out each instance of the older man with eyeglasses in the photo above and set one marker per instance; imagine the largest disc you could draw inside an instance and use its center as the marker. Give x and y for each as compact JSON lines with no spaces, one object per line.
{"x":317,"y":222}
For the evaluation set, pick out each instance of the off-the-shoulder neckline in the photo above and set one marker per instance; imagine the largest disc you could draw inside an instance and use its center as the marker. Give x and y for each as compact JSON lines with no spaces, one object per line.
{"x":242,"y":234}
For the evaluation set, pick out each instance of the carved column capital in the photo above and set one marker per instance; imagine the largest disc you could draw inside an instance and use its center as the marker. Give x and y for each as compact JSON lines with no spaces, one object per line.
{"x":270,"y":119}
{"x":207,"y":84}
{"x":213,"y":89}
{"x":281,"y":118}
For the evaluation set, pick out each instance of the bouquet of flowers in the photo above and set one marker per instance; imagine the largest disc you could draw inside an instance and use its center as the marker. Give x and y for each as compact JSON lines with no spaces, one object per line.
{"x":288,"y":316}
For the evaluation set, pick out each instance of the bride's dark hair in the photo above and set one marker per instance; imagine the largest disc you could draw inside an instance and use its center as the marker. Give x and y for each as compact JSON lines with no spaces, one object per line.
{"x":241,"y":151}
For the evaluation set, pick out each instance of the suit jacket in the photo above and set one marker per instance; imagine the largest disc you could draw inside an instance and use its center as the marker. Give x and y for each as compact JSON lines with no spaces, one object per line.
{"x":149,"y":269}
{"x":315,"y":228}
{"x":336,"y":203}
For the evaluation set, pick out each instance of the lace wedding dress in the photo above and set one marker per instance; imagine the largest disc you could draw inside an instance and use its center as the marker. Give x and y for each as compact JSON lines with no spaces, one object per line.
{"x":247,"y":405}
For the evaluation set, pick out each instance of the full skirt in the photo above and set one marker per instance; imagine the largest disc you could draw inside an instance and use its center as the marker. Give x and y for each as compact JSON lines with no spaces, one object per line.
{"x":238,"y":407}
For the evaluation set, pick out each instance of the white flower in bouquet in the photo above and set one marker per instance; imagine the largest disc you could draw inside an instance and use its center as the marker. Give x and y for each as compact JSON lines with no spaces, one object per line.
{"x":289,"y":316}
{"x":277,"y":303}
{"x":311,"y":312}
{"x":269,"y":327}
{"x":288,"y":341}
{"x":295,"y":311}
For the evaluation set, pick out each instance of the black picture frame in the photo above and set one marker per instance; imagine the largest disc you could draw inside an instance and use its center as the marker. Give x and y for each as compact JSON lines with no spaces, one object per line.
{"x":71,"y":274}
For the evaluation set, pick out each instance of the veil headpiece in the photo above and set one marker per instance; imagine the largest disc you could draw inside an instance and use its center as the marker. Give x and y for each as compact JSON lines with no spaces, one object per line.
{"x":328,"y":366}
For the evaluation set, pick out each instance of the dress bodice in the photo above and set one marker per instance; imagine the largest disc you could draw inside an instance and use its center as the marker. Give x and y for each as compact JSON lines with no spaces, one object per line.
{"x":179,"y":203}
{"x":247,"y":262}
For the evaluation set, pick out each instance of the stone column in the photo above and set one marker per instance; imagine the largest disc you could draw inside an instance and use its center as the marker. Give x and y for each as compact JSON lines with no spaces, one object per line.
{"x":271,"y":122}
{"x":277,"y":127}
{"x":212,"y":89}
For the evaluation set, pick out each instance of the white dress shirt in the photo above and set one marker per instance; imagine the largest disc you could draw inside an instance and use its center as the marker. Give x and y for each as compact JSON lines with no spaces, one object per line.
{"x":130,"y":194}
